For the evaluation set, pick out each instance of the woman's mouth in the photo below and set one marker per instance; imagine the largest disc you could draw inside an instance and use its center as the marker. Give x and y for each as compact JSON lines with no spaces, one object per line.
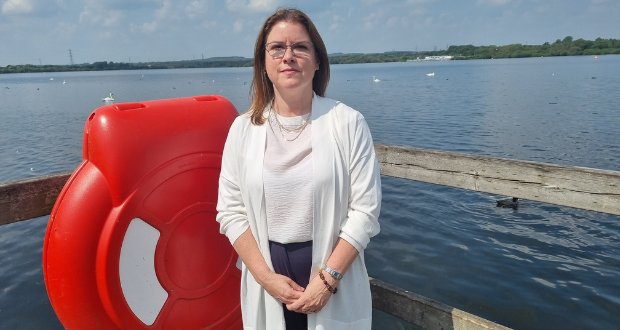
{"x":289,"y":71}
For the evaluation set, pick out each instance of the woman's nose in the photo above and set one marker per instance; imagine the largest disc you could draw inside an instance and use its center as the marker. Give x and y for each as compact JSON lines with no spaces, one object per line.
{"x":288,"y":54}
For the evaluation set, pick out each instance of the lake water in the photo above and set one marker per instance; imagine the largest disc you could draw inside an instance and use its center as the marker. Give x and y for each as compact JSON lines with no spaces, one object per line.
{"x":538,"y":267}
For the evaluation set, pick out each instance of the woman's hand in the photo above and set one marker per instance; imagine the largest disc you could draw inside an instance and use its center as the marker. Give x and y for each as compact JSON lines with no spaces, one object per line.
{"x":282,"y":288}
{"x":315,"y":297}
{"x":279,"y":286}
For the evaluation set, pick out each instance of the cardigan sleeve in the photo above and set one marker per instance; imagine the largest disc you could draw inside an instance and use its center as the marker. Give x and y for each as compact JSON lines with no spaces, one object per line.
{"x":231,"y":209}
{"x":365,"y":191}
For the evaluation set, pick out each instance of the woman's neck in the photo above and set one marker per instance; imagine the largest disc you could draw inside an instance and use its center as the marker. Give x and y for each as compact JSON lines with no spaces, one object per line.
{"x":293,"y":105}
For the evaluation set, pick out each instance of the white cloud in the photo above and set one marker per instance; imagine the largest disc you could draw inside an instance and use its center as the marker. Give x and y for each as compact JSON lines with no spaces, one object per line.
{"x":373,"y":20}
{"x":336,"y":22}
{"x":417,"y":2}
{"x":97,"y":15}
{"x":252,"y":5}
{"x":149,"y":27}
{"x":238,"y":26}
{"x":165,"y":11}
{"x":493,"y":2}
{"x":263,"y":5}
{"x":208,"y":24}
{"x":196,"y":8}
{"x":17,"y":7}
{"x":162,"y":14}
{"x":64,"y":30}
{"x":392,"y":21}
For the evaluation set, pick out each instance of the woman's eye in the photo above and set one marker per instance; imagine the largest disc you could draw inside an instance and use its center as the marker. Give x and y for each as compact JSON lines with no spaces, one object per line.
{"x":277,"y":47}
{"x":301,"y":47}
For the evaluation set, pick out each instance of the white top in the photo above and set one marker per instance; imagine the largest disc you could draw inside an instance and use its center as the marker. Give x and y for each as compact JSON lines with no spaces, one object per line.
{"x":287,"y":178}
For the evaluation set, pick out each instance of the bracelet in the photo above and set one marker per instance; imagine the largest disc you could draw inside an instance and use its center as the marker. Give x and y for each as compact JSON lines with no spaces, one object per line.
{"x":329,"y":287}
{"x":334,"y":273}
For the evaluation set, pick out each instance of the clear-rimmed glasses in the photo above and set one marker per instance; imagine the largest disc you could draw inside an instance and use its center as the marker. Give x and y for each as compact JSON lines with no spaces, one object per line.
{"x":277,"y":49}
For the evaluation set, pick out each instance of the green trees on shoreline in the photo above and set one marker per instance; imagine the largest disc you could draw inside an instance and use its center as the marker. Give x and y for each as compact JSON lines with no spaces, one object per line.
{"x":564,"y":47}
{"x":106,"y":66}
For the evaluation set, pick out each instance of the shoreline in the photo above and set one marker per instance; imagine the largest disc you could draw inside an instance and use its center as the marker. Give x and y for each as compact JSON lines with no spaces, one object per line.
{"x":455,"y":58}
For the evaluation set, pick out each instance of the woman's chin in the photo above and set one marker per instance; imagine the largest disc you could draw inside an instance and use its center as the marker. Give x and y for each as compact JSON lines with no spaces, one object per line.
{"x":290,"y":85}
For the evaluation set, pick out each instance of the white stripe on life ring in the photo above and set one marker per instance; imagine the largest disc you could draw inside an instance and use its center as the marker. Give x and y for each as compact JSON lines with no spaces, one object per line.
{"x":141,"y":288}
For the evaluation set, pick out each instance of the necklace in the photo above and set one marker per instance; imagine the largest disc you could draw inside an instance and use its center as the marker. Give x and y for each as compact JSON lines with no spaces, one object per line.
{"x":297,"y":130}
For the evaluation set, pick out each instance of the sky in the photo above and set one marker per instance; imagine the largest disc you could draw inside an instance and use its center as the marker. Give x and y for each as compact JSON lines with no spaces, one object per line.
{"x":87,"y":31}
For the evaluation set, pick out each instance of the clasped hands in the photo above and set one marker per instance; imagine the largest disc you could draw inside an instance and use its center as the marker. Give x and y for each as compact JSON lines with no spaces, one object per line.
{"x":309,"y":300}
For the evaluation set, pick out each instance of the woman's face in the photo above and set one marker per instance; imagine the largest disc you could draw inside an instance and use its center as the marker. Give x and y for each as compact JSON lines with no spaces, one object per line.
{"x":291,"y":73}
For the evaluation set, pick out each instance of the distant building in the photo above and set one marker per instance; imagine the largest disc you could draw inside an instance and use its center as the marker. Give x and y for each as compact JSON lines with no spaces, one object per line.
{"x":432,"y":58}
{"x":437,"y":58}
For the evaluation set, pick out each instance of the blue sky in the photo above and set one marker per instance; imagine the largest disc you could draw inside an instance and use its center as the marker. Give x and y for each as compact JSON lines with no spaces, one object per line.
{"x":43,"y":31}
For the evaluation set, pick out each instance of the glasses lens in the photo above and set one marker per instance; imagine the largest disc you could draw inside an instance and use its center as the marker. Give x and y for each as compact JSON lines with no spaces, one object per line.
{"x":302,"y":48}
{"x":276,"y":49}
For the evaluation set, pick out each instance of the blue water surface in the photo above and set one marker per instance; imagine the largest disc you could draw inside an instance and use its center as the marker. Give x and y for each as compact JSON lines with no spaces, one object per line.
{"x":538,"y":267}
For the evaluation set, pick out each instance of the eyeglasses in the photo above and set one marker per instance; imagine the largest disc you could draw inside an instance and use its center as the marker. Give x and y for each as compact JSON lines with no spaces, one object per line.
{"x":277,"y":49}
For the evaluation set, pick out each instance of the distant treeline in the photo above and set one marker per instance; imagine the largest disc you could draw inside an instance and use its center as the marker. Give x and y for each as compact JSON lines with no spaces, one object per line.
{"x":564,"y":47}
{"x":104,"y":66}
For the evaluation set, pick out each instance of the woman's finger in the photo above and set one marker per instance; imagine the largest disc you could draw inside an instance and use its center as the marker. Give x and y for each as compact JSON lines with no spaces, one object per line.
{"x":296,"y":286}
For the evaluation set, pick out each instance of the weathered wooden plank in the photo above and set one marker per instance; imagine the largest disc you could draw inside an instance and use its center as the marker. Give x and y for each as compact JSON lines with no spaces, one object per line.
{"x":29,"y":198}
{"x":579,"y":187}
{"x":424,"y":312}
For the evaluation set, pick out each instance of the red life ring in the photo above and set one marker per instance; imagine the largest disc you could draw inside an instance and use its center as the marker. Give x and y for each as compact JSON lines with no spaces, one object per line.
{"x":132,"y":241}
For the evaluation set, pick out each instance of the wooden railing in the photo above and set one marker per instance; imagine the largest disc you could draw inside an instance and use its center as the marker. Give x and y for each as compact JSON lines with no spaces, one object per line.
{"x":578,"y":187}
{"x":30,"y":198}
{"x":584,"y":188}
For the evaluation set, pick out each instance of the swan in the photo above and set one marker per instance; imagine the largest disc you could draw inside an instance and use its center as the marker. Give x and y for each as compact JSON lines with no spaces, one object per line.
{"x":51,"y":78}
{"x":108,"y":99}
{"x":375,"y":79}
{"x":432,"y":74}
{"x":64,"y":82}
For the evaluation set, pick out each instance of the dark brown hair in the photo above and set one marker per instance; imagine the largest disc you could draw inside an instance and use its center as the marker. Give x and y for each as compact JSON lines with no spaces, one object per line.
{"x":261,"y":90}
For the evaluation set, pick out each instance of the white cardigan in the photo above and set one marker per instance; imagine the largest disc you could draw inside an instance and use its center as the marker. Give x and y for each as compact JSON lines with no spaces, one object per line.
{"x":347,"y":200}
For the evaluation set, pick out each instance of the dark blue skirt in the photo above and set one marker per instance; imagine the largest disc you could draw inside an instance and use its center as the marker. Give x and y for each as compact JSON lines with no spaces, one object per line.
{"x":293,"y":260}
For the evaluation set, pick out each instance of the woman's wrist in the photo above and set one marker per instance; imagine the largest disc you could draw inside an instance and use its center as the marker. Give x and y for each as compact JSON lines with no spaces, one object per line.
{"x":329,"y":282}
{"x":334,"y":273}
{"x":264,"y":277}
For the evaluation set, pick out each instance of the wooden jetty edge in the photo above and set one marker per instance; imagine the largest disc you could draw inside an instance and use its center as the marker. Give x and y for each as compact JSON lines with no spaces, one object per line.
{"x":579,"y":187}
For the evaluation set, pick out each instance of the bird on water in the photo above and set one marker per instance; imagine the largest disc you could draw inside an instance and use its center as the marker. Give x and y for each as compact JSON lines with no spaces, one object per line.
{"x":108,"y":99}
{"x":512,"y":203}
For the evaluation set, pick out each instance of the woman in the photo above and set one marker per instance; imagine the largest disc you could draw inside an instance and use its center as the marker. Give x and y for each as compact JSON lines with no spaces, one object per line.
{"x":299,"y":190}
